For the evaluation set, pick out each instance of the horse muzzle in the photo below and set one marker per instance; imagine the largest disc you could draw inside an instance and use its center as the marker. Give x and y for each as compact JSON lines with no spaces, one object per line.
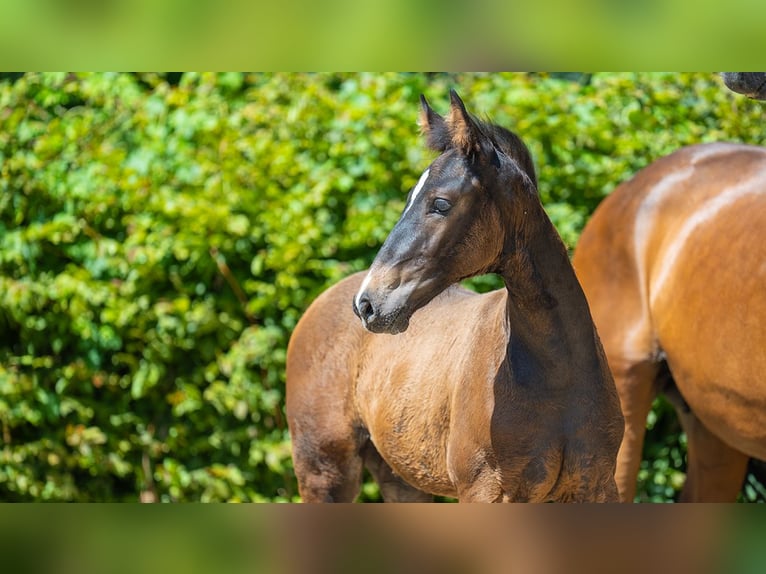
{"x":376,"y":319}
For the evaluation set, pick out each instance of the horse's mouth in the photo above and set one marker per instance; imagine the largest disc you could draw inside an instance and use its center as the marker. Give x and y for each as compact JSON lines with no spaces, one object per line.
{"x":389,"y":324}
{"x":391,"y":312}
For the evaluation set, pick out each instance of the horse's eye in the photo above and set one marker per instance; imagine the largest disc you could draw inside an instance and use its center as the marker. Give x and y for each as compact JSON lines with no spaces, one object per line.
{"x":441,"y":206}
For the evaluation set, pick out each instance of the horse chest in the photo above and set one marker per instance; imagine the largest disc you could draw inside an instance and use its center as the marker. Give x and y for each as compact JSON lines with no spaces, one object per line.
{"x":414,"y":412}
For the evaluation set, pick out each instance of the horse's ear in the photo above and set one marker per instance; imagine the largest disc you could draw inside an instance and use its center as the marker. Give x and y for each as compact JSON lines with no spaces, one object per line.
{"x":465,"y":132}
{"x":433,"y":127}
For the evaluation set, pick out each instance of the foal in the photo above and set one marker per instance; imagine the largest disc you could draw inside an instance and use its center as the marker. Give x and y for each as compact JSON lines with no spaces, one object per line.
{"x":504,"y":396}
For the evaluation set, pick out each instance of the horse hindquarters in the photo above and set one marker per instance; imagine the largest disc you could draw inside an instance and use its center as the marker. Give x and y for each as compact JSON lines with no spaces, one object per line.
{"x":326,"y":437}
{"x":325,"y":446}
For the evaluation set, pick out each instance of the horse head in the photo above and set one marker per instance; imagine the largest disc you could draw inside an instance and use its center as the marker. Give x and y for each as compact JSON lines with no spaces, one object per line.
{"x":751,"y":84}
{"x":455,"y":222}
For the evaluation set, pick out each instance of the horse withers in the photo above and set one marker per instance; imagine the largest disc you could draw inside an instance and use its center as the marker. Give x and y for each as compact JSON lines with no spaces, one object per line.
{"x":504,"y":396}
{"x":673,"y":263}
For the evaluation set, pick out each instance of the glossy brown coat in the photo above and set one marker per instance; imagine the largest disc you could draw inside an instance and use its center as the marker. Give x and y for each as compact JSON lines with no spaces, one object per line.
{"x":673,"y":263}
{"x":504,"y":396}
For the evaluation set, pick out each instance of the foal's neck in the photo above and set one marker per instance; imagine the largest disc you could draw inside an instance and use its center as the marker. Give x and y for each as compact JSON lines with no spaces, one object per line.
{"x":551,"y":329}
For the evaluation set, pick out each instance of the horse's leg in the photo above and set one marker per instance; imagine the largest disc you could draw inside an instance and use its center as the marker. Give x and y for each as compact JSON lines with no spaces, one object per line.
{"x":484,"y":487}
{"x":326,"y":442}
{"x":715,"y":471}
{"x":328,"y":466}
{"x":606,"y":493}
{"x":392,"y":487}
{"x":637,"y":389}
{"x":596,"y":489}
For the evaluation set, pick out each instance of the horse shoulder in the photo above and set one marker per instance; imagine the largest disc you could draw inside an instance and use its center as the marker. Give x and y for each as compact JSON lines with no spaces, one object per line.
{"x":322,"y":354}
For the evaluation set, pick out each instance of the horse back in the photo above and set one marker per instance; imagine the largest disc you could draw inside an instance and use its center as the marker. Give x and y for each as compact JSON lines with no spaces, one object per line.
{"x":672,"y":264}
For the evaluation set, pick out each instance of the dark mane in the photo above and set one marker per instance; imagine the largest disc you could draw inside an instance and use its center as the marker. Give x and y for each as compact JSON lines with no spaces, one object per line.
{"x":510,"y":144}
{"x":465,"y":131}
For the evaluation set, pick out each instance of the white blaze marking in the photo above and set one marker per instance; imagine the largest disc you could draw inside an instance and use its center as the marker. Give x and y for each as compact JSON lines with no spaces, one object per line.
{"x":362,"y":288}
{"x":415,"y":192}
{"x":418,"y":187}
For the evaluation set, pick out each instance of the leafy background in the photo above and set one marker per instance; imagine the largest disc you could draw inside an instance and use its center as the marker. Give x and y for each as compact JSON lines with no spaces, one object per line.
{"x":161,"y":234}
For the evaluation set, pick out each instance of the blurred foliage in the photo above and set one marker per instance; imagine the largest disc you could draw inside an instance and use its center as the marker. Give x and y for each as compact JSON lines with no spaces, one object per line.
{"x":161,"y":235}
{"x":347,"y":34}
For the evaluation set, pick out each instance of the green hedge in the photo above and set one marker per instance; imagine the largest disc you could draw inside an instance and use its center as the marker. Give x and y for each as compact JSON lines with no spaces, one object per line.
{"x":159,"y":241}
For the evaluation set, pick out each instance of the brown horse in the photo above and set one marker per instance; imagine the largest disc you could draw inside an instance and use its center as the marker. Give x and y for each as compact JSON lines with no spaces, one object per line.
{"x":504,"y":396}
{"x":674,"y":265}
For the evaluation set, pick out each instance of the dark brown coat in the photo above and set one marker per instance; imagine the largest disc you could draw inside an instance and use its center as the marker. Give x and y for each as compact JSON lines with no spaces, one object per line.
{"x":498,"y":397}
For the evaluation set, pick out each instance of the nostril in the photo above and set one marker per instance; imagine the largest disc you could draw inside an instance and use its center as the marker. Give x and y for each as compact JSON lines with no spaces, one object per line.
{"x":364,"y":308}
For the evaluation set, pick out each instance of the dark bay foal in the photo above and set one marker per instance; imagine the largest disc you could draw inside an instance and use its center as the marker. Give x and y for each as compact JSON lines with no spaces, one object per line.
{"x":504,"y":396}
